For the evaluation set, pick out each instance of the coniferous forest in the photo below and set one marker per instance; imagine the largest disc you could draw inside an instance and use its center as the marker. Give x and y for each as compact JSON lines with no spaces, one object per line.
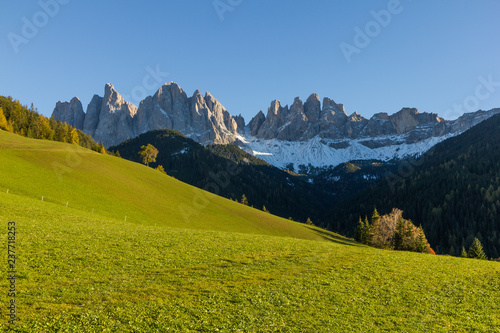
{"x":452,"y":191}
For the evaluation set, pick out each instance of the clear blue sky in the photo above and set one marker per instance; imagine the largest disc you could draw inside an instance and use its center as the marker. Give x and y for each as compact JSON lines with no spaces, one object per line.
{"x":430,"y":55}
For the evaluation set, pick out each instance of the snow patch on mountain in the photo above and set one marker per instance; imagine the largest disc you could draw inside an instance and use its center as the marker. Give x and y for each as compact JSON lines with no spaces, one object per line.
{"x":325,"y":152}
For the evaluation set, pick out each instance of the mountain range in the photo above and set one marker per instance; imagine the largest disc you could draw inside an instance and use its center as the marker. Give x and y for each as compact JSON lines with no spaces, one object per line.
{"x":305,"y":133}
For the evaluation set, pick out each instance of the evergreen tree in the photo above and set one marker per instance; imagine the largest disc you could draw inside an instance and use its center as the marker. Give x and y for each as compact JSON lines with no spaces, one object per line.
{"x":264,"y":209}
{"x":422,"y":244}
{"x":367,"y":238}
{"x":244,"y":200}
{"x":463,"y":254}
{"x":309,"y":221}
{"x":476,"y":250}
{"x":360,"y":231}
{"x":375,"y":217}
{"x":399,"y":234}
{"x":374,"y":232}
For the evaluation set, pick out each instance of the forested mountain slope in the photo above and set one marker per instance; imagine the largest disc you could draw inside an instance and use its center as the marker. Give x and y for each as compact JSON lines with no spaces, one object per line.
{"x":453,"y":191}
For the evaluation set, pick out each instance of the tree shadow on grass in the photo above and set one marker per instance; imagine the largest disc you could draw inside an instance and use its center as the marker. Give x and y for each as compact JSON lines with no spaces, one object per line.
{"x":330,"y":236}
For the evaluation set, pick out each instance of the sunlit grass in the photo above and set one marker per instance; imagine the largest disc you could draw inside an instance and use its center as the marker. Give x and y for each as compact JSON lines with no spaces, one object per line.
{"x":80,"y":271}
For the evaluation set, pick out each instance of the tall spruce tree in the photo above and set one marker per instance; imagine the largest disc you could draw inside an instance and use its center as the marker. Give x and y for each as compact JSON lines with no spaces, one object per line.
{"x":422,"y":244}
{"x":476,"y":250}
{"x":360,"y":231}
{"x":375,"y":217}
{"x":367,"y":238}
{"x":399,"y":234}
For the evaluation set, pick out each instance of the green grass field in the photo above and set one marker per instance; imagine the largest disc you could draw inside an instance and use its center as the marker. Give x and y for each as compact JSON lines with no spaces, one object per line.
{"x":115,"y":188}
{"x":222,"y":269}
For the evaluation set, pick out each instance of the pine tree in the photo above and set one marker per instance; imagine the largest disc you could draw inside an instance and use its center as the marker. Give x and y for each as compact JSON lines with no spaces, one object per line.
{"x":264,"y":209}
{"x":422,"y":244}
{"x":309,"y":221}
{"x":373,"y":231}
{"x":397,"y":241}
{"x":463,"y":254}
{"x":476,"y":250}
{"x":244,"y":200}
{"x":375,"y":217}
{"x":360,"y":231}
{"x":367,"y":238}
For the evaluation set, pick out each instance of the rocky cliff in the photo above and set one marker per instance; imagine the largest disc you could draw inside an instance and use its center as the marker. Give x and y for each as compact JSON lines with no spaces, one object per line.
{"x":303,"y":121}
{"x":111,"y":120}
{"x":70,"y":112}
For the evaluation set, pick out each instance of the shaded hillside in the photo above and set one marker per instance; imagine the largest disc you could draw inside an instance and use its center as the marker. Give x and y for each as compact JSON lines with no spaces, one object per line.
{"x":347,"y":179}
{"x":453,"y":191}
{"x":231,"y":172}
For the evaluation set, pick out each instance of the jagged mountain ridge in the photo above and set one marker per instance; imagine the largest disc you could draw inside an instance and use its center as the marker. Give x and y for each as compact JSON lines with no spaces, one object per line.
{"x":305,"y":133}
{"x":111,"y":120}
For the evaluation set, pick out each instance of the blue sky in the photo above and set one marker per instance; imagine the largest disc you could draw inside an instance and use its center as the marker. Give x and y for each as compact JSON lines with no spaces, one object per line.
{"x":438,"y":56}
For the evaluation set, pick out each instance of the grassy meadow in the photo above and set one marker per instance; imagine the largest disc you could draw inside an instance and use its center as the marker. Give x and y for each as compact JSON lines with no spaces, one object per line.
{"x":212,"y":265}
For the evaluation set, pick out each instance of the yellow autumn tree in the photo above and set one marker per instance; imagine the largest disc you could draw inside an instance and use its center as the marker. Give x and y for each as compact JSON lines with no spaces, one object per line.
{"x":73,"y":137}
{"x":3,"y":120}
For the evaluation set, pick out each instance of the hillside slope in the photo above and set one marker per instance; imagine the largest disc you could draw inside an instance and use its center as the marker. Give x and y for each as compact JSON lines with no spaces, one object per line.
{"x":230,"y":172}
{"x":116,"y":188}
{"x":453,"y":191}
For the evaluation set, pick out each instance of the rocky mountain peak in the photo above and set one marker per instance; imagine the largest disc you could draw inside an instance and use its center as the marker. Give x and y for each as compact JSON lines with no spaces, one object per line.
{"x":405,"y":120}
{"x":312,"y":108}
{"x":329,"y":104}
{"x":256,"y":123}
{"x":355,"y":117}
{"x":111,"y":120}
{"x":297,"y":106}
{"x":240,"y":122}
{"x":70,"y":112}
